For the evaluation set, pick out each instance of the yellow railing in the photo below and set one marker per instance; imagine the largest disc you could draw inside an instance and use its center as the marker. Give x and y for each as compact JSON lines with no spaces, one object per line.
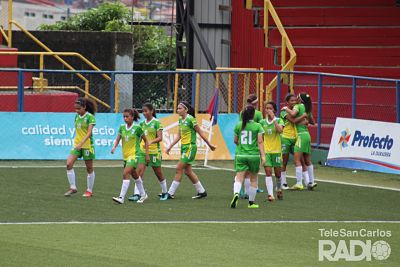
{"x":73,"y":54}
{"x":57,"y":56}
{"x":4,"y":34}
{"x":286,"y":45}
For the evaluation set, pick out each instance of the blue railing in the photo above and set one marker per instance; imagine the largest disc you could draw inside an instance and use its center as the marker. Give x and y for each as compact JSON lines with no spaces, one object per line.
{"x":321,"y":84}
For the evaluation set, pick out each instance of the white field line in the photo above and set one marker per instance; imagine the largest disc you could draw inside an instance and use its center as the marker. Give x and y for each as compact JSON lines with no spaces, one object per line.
{"x":194,"y":222}
{"x":205,"y":168}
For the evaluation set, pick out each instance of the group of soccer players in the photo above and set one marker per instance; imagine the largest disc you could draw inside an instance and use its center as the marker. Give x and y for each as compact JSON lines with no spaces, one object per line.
{"x":140,"y":148}
{"x":270,"y":141}
{"x":267,"y":141}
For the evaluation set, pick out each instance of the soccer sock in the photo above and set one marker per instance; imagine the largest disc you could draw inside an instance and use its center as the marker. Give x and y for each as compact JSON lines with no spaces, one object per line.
{"x":90,"y":181}
{"x":278,"y":183}
{"x":199,"y":187}
{"x":246,"y":185}
{"x":71,"y":178}
{"x":306,"y":178}
{"x":270,"y":185}
{"x":299,"y":173}
{"x":136,"y":190}
{"x":310,"y":170}
{"x":124,"y":188}
{"x":173,"y":187}
{"x":139,"y":185}
{"x":283,"y":177}
{"x":237,"y":186}
{"x":163,"y":185}
{"x":252,"y":193}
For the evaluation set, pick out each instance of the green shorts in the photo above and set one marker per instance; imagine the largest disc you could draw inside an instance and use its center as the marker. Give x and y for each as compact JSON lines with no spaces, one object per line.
{"x":249,"y":163}
{"x":273,"y":160}
{"x":155,"y":159}
{"x":86,"y":154}
{"x":303,"y":143}
{"x":288,"y":145}
{"x":131,"y":162}
{"x":188,"y":153}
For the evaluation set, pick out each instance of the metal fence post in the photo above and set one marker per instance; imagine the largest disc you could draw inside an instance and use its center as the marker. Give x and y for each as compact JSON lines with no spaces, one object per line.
{"x":319,"y":109}
{"x":194,"y":87}
{"x":398,"y":101}
{"x":278,"y":93}
{"x":112,"y":92}
{"x":235,"y":92}
{"x":353,"y":99}
{"x":21,"y":92}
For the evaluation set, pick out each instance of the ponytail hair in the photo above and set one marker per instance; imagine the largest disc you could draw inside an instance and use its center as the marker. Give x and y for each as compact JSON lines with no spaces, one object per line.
{"x":151,"y":108}
{"x":306,"y":100}
{"x":87,"y":103}
{"x":252,"y":98}
{"x":188,"y":107}
{"x":133,"y":112}
{"x":247,"y":115}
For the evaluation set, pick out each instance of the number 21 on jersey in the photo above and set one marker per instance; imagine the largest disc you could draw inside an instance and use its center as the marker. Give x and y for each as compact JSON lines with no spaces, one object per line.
{"x":246,"y":138}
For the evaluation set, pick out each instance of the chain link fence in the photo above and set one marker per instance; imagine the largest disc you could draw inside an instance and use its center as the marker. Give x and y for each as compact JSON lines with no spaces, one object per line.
{"x":332,"y":95}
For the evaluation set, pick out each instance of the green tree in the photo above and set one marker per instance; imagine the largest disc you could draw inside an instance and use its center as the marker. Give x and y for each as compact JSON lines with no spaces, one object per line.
{"x":153,"y":48}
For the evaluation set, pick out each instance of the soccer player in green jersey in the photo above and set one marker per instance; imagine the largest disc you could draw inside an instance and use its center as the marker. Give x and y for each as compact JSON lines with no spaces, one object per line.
{"x":83,"y":145}
{"x":288,"y":137}
{"x":188,"y":128}
{"x":152,"y":129}
{"x":249,"y":140}
{"x":273,"y":127}
{"x":252,"y":100}
{"x":131,"y":134}
{"x":302,"y":150}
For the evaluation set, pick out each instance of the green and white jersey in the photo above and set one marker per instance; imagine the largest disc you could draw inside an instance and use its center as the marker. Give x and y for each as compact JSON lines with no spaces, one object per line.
{"x":248,"y":138}
{"x":150,"y":130}
{"x":272,"y":139}
{"x":187,"y":131}
{"x":258,"y":116}
{"x":82,"y":125}
{"x":300,"y":128}
{"x":130,"y":140}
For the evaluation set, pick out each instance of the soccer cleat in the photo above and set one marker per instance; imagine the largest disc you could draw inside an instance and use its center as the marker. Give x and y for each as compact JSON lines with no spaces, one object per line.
{"x":244,"y":196}
{"x":70,"y":192}
{"x":164,"y":196}
{"x":297,"y":187}
{"x":200,"y":195}
{"x":259,"y":190}
{"x":311,"y":186}
{"x":170,"y":196}
{"x":270,"y":198}
{"x":119,"y":200}
{"x":142,"y":198}
{"x":235,"y":201}
{"x":87,"y":194}
{"x":134,"y":197}
{"x":279,"y":194}
{"x":253,"y":206}
{"x":285,"y":187}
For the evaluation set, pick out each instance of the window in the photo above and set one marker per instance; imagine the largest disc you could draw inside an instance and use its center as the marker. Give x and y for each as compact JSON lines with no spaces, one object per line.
{"x":45,"y":16}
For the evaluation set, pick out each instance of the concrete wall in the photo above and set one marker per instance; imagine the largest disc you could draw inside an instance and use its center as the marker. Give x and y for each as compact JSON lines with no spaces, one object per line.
{"x":107,"y":50}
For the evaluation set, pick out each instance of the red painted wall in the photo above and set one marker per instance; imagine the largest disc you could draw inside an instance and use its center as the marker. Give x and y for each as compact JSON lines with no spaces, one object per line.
{"x":40,"y":103}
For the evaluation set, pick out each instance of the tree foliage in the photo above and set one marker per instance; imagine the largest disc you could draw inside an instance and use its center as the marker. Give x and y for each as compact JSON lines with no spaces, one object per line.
{"x":153,"y":48}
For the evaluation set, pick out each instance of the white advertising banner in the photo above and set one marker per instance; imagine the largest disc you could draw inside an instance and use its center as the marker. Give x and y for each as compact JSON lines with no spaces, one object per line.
{"x":365,"y":145}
